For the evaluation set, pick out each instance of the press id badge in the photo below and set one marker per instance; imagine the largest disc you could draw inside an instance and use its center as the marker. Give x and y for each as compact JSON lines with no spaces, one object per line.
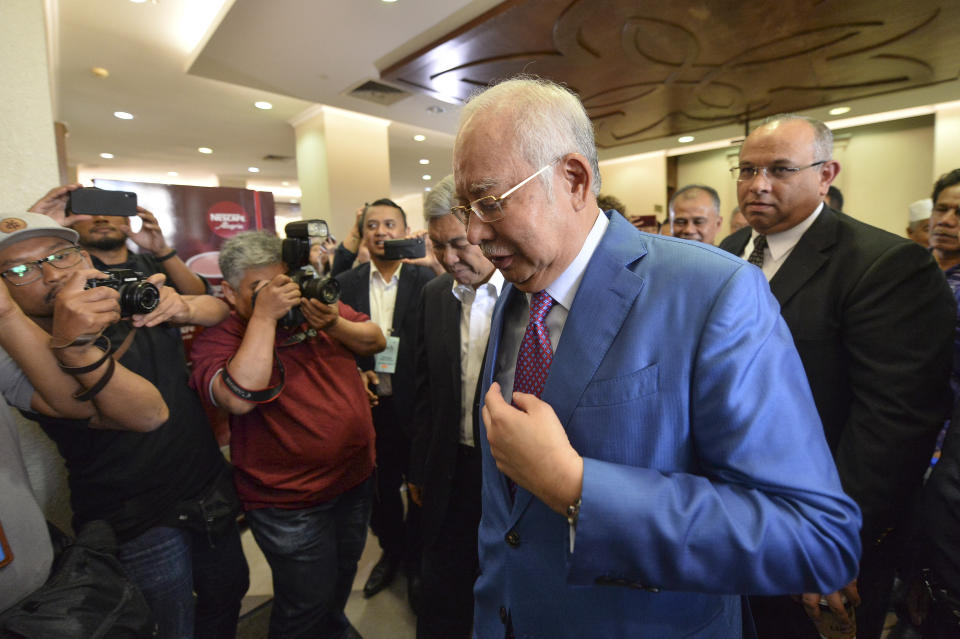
{"x":386,"y":360}
{"x":5,"y":555}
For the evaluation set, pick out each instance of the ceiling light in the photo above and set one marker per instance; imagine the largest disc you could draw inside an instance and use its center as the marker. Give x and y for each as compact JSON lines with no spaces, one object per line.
{"x":839,"y":110}
{"x":107,"y":156}
{"x":427,"y":189}
{"x":205,"y":149}
{"x":683,"y":139}
{"x":285,"y":184}
{"x":266,"y":106}
{"x":427,"y":177}
{"x":419,"y":138}
{"x":293,"y":202}
{"x":123,"y":115}
{"x":100,"y":72}
{"x":424,"y":161}
{"x":253,"y":169}
{"x":434,"y":109}
{"x":388,"y":1}
{"x":138,"y":1}
{"x":172,"y":173}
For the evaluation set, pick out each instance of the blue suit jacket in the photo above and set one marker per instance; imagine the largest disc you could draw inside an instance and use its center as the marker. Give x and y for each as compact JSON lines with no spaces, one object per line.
{"x":706,"y":473}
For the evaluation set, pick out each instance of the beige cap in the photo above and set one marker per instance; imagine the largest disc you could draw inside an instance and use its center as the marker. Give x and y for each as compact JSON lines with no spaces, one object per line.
{"x":16,"y":227}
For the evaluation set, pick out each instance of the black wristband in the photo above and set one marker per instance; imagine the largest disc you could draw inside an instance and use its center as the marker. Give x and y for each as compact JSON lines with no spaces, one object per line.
{"x":166,"y":257}
{"x":80,"y":370}
{"x":255,"y":396}
{"x":90,"y":393}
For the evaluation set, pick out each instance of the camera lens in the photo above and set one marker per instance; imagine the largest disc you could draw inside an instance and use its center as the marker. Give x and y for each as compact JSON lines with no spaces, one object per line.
{"x":326,"y":289}
{"x":138,"y":298}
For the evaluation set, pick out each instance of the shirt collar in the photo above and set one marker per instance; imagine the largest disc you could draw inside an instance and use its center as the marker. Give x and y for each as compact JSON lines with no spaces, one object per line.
{"x":564,"y":288}
{"x":780,"y":243}
{"x":375,"y":273}
{"x":465,"y":293}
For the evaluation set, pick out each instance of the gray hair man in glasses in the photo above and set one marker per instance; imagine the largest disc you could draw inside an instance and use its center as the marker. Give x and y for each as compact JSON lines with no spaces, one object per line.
{"x":628,"y":490}
{"x":872,"y":318}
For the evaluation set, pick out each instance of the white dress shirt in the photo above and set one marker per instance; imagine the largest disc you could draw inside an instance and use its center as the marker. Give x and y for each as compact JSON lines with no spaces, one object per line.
{"x":383,"y":298}
{"x":780,"y":245}
{"x":476,"y":309}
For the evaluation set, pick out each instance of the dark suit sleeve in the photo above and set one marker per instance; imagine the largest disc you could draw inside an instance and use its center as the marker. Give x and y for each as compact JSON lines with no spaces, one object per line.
{"x":420,"y":422}
{"x":342,"y":260}
{"x":897,"y":335}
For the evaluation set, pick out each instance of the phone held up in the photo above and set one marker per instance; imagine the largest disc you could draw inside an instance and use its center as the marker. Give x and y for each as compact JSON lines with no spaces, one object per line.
{"x":96,"y":201}
{"x":411,"y":247}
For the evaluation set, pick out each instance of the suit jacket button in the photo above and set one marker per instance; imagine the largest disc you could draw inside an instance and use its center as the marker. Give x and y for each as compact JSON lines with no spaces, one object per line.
{"x":513,"y":538}
{"x":503,"y":615}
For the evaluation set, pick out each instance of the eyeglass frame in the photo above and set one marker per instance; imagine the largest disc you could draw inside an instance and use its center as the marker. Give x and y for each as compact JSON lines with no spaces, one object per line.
{"x":36,"y":266}
{"x":765,"y":171}
{"x":460,"y":212}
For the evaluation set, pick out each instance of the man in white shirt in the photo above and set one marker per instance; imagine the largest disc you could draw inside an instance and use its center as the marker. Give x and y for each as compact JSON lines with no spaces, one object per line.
{"x":872,"y":319}
{"x":445,"y":464}
{"x":389,"y":292}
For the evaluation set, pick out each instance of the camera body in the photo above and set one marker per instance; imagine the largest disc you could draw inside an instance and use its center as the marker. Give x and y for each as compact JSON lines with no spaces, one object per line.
{"x":295,"y":253}
{"x":137,"y":296}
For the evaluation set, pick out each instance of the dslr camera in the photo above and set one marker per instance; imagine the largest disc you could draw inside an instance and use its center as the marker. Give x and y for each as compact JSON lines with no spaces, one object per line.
{"x":295,"y":252}
{"x":137,"y":295}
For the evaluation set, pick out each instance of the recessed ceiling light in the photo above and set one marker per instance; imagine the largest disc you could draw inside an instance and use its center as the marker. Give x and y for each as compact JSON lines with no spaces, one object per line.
{"x":388,"y":1}
{"x":839,"y":110}
{"x":424,"y":161}
{"x":253,"y":169}
{"x":427,"y":189}
{"x":434,"y":109}
{"x":285,"y":184}
{"x":266,"y":106}
{"x":205,"y":149}
{"x":107,"y":156}
{"x":123,"y":115}
{"x":427,"y":177}
{"x":100,"y":72}
{"x":293,"y":202}
{"x":138,"y":1}
{"x":172,"y":173}
{"x":419,"y":138}
{"x":683,"y":139}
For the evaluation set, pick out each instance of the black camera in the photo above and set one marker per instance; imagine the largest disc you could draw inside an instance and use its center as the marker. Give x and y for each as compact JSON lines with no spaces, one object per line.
{"x":295,"y":253}
{"x":137,"y":296}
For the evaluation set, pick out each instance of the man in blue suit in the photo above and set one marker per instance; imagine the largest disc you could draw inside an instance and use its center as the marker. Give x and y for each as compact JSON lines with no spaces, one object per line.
{"x":674,"y":460}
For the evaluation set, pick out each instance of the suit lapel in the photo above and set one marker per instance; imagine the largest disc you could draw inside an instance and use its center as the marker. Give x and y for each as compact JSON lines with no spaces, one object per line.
{"x":502,"y":495}
{"x":450,"y":337}
{"x":737,"y":242}
{"x":605,"y":296}
{"x":405,"y":295}
{"x":807,"y":257}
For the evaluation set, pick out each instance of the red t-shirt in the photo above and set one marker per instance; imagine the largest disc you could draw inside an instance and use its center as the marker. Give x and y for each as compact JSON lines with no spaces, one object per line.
{"x":315,"y":440}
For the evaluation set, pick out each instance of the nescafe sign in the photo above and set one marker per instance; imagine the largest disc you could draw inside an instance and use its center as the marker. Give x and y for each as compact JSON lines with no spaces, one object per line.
{"x":226,"y":219}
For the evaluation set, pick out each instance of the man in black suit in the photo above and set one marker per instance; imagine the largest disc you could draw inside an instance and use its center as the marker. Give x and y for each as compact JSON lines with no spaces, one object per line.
{"x":445,"y":466}
{"x":389,"y":292}
{"x":872,"y":318}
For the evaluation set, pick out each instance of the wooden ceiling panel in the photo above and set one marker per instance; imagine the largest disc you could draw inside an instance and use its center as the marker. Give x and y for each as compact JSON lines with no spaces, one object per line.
{"x":651,"y":69}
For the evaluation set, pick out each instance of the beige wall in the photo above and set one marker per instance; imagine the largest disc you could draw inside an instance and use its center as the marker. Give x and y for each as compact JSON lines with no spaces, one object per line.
{"x":28,"y":153}
{"x":946,"y":143}
{"x":640,"y":183}
{"x":712,"y":168}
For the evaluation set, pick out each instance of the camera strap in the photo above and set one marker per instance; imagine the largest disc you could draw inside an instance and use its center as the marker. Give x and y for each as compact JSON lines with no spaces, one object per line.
{"x":261,"y":396}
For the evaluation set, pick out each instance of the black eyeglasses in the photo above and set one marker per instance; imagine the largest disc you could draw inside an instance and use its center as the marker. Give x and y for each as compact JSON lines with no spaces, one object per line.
{"x":747,"y":173}
{"x":29,"y":272}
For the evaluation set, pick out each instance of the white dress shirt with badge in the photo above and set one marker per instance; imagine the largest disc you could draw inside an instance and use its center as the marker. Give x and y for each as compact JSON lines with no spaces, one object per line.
{"x":383,"y":300}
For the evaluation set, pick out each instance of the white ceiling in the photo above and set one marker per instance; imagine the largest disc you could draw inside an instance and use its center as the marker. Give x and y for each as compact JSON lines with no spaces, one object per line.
{"x":292,"y":53}
{"x":190,"y":71}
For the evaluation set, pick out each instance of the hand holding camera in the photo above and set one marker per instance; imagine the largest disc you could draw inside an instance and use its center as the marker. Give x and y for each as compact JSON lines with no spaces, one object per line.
{"x":274,"y":299}
{"x":82,"y":312}
{"x":170,"y":307}
{"x":319,"y":315}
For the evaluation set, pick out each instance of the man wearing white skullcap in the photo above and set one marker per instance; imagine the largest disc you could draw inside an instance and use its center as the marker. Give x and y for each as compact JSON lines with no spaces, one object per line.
{"x":918,"y":228}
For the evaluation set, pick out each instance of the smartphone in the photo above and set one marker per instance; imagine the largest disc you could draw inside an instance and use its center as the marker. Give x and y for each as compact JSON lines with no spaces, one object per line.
{"x":95,"y":201}
{"x":411,"y":247}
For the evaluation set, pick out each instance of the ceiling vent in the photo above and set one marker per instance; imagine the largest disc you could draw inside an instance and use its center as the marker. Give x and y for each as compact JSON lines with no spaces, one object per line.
{"x":379,"y":93}
{"x":271,"y":157}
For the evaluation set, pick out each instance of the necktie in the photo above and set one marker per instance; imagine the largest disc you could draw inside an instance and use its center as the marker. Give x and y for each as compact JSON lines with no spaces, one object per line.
{"x":535,"y":356}
{"x":756,"y":258}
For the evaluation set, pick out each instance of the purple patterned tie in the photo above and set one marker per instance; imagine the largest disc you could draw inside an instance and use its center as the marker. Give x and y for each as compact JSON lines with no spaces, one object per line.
{"x":535,"y":356}
{"x":533,"y":360}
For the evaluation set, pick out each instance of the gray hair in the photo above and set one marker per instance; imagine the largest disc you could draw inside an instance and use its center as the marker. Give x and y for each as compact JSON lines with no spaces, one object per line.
{"x":822,"y":135}
{"x":548,"y":119}
{"x":247,"y":250}
{"x":689,"y":191}
{"x":440,"y":199}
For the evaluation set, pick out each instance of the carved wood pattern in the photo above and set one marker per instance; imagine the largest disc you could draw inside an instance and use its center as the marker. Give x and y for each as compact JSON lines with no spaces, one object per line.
{"x":667,"y":67}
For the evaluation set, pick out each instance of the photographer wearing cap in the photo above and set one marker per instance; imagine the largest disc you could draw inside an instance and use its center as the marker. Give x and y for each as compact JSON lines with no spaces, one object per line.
{"x":149,"y":486}
{"x":302,"y":439}
{"x":104,"y":237}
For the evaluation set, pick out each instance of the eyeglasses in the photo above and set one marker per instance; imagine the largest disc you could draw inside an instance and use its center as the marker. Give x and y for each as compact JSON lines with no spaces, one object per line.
{"x":32,"y":271}
{"x":747,"y":173}
{"x":489,"y":208}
